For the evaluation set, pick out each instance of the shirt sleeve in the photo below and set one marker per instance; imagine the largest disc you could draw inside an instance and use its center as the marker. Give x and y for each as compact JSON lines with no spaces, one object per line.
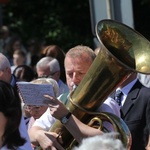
{"x":45,"y":121}
{"x":24,"y":134}
{"x":111,"y":106}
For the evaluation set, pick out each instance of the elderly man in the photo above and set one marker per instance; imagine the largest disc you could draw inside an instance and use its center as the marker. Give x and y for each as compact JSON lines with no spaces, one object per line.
{"x":5,"y":75}
{"x":49,"y":67}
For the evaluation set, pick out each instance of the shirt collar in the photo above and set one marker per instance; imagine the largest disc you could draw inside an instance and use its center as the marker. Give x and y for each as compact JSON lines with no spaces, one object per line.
{"x":13,"y":80}
{"x":128,"y":87}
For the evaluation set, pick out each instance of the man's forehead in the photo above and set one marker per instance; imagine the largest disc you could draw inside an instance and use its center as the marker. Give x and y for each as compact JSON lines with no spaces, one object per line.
{"x":84,"y":57}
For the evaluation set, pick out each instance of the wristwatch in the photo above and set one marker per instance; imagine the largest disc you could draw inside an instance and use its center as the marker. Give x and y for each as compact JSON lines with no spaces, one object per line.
{"x":65,"y":119}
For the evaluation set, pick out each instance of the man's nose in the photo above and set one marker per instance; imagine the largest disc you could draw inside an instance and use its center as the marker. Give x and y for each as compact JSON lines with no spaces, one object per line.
{"x":75,"y":79}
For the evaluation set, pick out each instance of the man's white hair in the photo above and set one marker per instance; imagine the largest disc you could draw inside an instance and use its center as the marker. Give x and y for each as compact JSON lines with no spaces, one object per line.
{"x":51,"y":62}
{"x":107,"y":141}
{"x":4,"y":63}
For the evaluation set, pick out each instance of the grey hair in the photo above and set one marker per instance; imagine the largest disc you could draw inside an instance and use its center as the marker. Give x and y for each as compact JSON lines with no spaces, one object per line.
{"x":107,"y":141}
{"x":48,"y":81}
{"x":79,"y":50}
{"x":50,"y":62}
{"x":4,"y":62}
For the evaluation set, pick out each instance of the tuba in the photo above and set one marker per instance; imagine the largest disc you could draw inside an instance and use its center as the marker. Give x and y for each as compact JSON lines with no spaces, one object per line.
{"x":123,"y":51}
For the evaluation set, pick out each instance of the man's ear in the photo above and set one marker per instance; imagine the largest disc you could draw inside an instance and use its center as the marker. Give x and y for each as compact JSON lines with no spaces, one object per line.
{"x":8,"y":70}
{"x":57,"y":74}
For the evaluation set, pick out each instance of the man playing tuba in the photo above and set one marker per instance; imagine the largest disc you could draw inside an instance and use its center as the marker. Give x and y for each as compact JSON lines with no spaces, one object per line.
{"x":77,"y":62}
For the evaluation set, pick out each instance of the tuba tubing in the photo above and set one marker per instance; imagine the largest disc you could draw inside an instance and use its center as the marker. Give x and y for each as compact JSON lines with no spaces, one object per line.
{"x":123,"y":51}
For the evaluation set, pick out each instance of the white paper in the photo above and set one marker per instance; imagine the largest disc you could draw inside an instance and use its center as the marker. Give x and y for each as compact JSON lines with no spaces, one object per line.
{"x":33,"y":94}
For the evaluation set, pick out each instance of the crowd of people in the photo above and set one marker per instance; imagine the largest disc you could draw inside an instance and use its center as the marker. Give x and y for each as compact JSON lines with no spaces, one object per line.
{"x":49,"y":64}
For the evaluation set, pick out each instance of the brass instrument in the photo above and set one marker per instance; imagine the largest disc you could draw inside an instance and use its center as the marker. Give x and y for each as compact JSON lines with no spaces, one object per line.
{"x":123,"y":51}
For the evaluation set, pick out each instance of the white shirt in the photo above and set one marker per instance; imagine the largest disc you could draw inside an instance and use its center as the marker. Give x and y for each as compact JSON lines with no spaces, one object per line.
{"x":47,"y":120}
{"x":24,"y":134}
{"x":111,"y":106}
{"x":125,"y":90}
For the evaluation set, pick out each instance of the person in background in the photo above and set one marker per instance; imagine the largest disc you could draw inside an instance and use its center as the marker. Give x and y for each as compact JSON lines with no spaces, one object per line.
{"x":49,"y":67}
{"x":5,"y":75}
{"x":15,"y":43}
{"x":34,"y":48}
{"x":19,"y":58}
{"x":10,"y":117}
{"x":135,"y":109}
{"x":37,"y":111}
{"x":56,"y":52}
{"x":77,"y":62}
{"x":5,"y":36}
{"x":24,"y":73}
{"x":30,"y":47}
{"x":107,"y":141}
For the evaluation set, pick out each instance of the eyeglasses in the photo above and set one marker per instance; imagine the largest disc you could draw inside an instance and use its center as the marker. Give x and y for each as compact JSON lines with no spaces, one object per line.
{"x":45,"y":76}
{"x":48,"y":76}
{"x":32,"y":107}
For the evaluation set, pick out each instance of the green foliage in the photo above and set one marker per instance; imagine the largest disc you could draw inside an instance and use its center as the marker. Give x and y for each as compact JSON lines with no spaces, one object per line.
{"x":141,"y":9}
{"x":62,"y":22}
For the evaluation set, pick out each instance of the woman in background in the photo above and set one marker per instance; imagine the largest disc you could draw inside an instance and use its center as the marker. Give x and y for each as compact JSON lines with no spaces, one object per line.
{"x":10,"y":117}
{"x":56,"y":52}
{"x":37,"y":111}
{"x":24,"y":73}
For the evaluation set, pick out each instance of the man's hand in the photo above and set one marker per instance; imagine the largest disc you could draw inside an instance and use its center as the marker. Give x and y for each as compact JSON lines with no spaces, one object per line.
{"x":57,"y":108}
{"x":49,"y":140}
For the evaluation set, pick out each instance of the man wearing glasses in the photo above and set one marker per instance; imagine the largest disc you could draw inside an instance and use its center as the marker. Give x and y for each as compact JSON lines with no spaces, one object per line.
{"x":48,"y":67}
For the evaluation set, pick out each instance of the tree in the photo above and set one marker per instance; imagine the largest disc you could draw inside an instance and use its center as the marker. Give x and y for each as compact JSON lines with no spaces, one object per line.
{"x":141,"y":11}
{"x":62,"y":22}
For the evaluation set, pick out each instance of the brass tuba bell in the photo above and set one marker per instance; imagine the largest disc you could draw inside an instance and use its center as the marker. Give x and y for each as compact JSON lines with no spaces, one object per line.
{"x":123,"y":51}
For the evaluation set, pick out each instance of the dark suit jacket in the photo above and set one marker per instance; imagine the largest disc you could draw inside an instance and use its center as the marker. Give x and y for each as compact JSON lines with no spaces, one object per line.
{"x":136,"y":114}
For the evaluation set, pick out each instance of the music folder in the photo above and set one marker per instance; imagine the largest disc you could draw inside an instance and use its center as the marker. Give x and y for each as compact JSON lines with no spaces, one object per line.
{"x":33,"y":93}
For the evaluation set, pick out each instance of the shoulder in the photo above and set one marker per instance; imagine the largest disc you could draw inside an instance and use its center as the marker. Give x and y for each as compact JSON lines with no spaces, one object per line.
{"x":145,"y":91}
{"x":140,"y":89}
{"x":45,"y":121}
{"x":64,"y":97}
{"x":62,"y":84}
{"x":111,"y":106}
{"x":63,"y":88}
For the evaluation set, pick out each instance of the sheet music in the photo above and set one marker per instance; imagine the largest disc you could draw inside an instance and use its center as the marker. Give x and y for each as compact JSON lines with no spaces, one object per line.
{"x":33,"y":94}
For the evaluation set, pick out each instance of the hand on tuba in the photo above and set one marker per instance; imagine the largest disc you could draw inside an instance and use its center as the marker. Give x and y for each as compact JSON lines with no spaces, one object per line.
{"x":48,"y":140}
